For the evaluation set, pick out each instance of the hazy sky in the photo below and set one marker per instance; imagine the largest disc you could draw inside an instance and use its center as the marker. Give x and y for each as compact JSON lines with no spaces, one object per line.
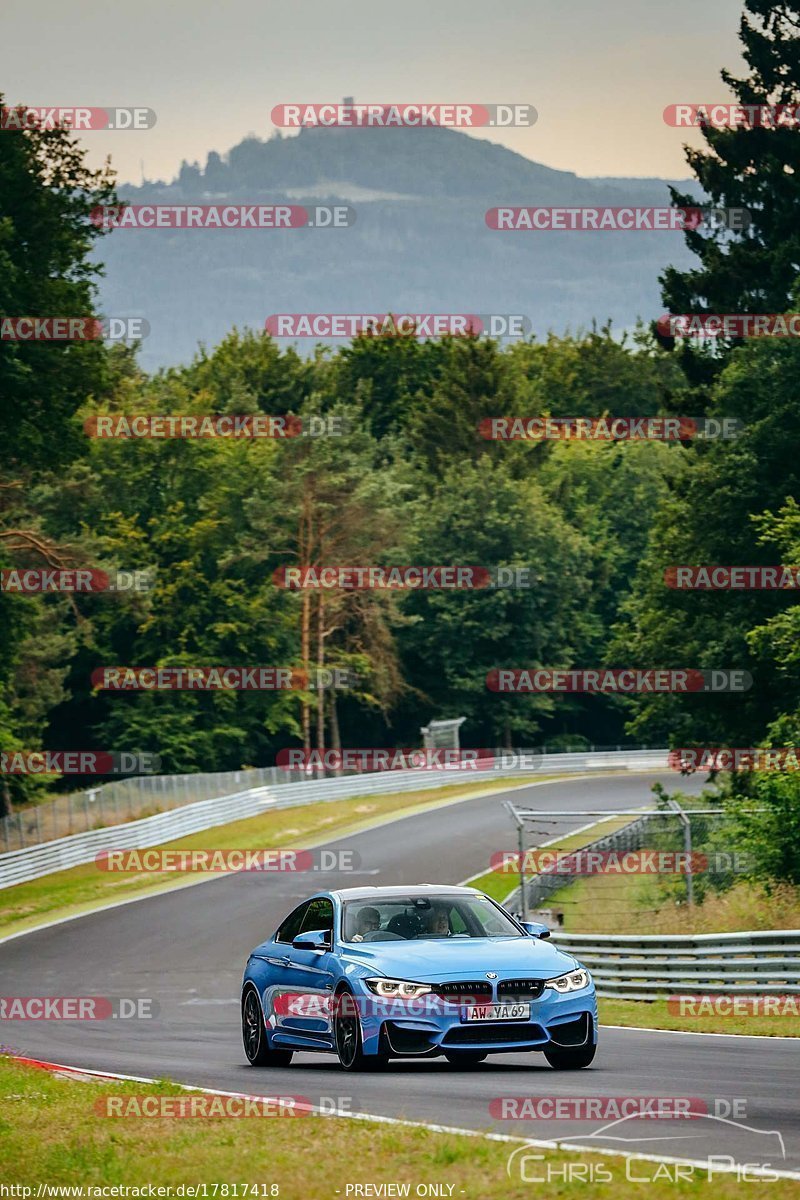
{"x":599,"y":72}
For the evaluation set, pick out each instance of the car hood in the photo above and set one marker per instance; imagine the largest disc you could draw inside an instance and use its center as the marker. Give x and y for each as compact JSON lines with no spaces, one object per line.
{"x":462,"y":958}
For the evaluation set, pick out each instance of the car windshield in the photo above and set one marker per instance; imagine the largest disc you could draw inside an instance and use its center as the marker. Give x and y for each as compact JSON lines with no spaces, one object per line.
{"x":410,"y":918}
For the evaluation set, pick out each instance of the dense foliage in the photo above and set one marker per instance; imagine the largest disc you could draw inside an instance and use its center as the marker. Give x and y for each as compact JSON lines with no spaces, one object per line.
{"x":411,"y":481}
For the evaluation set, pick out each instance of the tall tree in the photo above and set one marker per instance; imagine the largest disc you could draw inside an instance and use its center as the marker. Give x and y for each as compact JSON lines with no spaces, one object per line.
{"x":47,"y":193}
{"x":750,"y":166}
{"x":717,"y":512}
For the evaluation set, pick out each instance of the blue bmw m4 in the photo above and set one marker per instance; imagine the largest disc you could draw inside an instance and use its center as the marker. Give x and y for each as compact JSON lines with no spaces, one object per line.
{"x":371,"y":974}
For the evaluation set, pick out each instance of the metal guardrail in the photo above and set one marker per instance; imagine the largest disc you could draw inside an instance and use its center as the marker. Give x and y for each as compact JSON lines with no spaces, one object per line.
{"x":651,"y":966}
{"x":19,"y":866}
{"x":129,"y":799}
{"x":126,"y":800}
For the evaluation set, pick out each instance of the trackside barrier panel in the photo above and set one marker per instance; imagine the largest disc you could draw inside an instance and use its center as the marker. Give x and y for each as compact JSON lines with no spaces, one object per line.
{"x":650,"y":966}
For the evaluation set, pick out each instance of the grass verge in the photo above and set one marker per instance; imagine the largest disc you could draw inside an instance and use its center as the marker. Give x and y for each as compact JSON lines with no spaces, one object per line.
{"x":53,"y":1134}
{"x":654,"y":1014}
{"x":633,"y":903}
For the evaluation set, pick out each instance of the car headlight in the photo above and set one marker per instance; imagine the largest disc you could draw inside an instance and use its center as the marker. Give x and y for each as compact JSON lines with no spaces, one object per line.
{"x":392,"y":988}
{"x":573,"y":981}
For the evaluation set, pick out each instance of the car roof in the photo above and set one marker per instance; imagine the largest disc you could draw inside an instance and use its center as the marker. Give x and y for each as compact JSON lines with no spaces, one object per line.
{"x":411,"y":889}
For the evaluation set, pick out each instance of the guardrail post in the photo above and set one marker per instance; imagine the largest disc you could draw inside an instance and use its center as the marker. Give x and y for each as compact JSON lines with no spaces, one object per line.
{"x":521,"y":844}
{"x":687,"y":845}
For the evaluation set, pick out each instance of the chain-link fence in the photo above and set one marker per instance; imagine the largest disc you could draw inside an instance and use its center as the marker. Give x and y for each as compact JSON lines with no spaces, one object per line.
{"x":126,"y":800}
{"x":641,"y":862}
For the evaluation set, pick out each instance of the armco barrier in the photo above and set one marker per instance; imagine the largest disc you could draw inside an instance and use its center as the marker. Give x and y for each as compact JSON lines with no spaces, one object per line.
{"x":649,"y":966}
{"x":18,"y":866}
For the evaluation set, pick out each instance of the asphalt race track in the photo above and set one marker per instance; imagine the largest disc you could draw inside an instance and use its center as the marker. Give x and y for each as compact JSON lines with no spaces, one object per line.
{"x":187,"y":950}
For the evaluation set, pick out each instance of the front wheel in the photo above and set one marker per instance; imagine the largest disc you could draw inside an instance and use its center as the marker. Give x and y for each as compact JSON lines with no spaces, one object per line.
{"x":464,"y":1058}
{"x":347,"y":1037}
{"x":254,"y":1036}
{"x":570,"y":1058}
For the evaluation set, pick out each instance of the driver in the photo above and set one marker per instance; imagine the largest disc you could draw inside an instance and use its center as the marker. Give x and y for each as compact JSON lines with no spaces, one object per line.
{"x":437,"y":923}
{"x":367,"y":921}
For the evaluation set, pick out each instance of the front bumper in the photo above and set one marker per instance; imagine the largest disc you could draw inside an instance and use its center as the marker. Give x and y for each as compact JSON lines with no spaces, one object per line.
{"x":420,"y":1029}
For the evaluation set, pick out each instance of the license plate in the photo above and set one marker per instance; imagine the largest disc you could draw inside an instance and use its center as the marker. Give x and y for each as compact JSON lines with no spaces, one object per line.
{"x":497,"y":1012}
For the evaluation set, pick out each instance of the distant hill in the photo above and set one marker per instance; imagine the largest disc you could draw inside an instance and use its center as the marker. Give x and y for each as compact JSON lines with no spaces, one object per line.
{"x":419,"y":243}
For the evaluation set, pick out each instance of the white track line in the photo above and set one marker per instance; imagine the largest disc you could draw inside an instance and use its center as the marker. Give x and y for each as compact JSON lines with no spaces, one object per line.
{"x":80,"y":1074}
{"x":764,"y":1037}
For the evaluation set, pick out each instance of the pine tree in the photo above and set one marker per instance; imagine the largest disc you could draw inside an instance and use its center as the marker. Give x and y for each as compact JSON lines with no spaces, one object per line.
{"x":750,"y":166}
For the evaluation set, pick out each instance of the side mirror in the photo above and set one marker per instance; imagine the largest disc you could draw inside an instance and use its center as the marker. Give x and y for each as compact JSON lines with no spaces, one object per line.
{"x":534,"y":929}
{"x":314,"y":939}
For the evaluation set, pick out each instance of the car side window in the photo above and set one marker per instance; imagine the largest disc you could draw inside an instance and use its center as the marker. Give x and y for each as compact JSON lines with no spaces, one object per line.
{"x":318,"y":915}
{"x":291,"y":926}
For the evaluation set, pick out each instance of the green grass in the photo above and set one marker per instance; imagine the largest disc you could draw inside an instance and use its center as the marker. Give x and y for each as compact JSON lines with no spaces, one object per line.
{"x":52,"y":1133}
{"x":636,"y":903}
{"x":655,"y":1015}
